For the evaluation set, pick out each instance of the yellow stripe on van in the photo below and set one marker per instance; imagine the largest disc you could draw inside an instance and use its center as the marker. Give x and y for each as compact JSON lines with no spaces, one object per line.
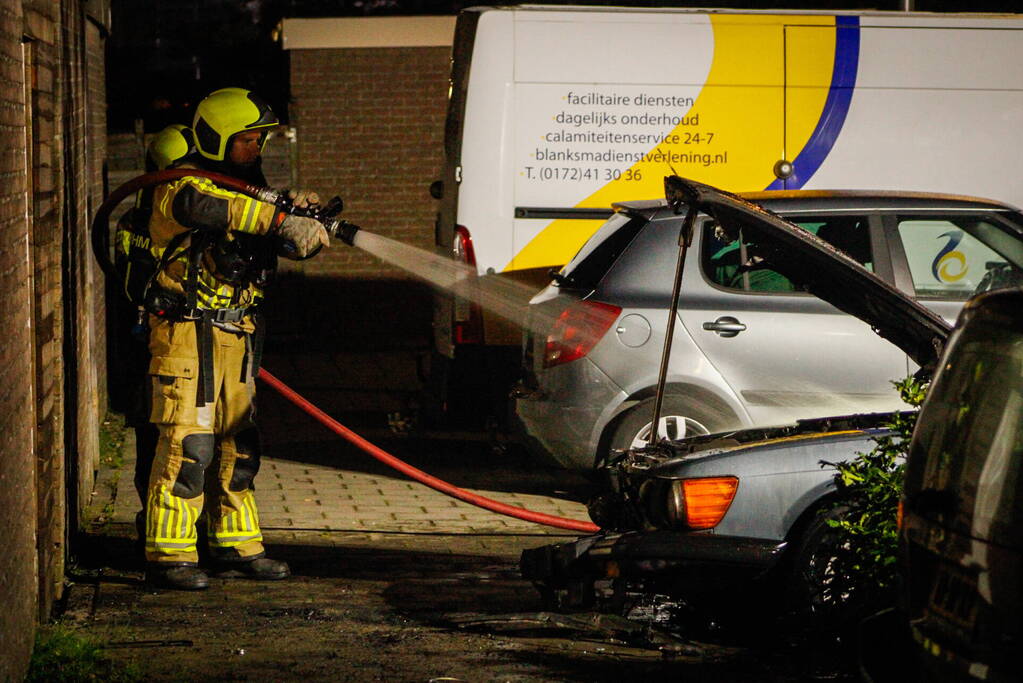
{"x":763,"y":65}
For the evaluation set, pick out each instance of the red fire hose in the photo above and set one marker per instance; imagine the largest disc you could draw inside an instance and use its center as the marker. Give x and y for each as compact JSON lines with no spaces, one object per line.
{"x":417,"y":474}
{"x":100,"y":244}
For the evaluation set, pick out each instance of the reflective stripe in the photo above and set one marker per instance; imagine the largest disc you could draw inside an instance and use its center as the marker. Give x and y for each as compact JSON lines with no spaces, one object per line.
{"x":248,"y":215}
{"x":250,"y":503}
{"x":228,"y":524}
{"x":165,"y":199}
{"x":163,"y":515}
{"x":170,"y":543}
{"x":123,"y":241}
{"x":170,"y":523}
{"x":238,"y":526}
{"x":188,"y":519}
{"x":232,"y":541}
{"x":178,"y":517}
{"x":246,"y":515}
{"x":203,"y":184}
{"x":213,"y":295}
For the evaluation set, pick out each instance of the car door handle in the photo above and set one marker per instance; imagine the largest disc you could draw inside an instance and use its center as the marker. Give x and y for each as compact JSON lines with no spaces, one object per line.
{"x":725,"y":326}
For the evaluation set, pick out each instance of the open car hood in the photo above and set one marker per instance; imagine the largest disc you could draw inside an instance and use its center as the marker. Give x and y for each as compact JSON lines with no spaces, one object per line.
{"x":822,"y":269}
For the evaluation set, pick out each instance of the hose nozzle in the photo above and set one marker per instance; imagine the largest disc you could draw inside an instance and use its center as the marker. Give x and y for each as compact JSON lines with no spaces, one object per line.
{"x":345,"y":231}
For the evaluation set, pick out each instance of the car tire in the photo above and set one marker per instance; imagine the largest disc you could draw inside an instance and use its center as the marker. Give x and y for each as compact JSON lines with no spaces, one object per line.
{"x":816,"y":596}
{"x":679,"y":418}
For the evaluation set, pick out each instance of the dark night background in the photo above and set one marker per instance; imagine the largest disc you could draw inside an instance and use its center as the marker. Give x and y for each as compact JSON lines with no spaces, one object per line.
{"x":164,"y":55}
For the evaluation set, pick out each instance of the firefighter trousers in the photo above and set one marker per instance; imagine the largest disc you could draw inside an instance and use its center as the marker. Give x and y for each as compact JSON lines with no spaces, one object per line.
{"x":207,"y":455}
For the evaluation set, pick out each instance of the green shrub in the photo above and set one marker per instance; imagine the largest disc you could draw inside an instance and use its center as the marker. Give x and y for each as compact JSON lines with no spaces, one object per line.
{"x":870,"y":486}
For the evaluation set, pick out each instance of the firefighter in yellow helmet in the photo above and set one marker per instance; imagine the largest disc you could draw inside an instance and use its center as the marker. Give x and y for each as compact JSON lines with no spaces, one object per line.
{"x":170,"y":144}
{"x":215,"y":251}
{"x":135,"y":265}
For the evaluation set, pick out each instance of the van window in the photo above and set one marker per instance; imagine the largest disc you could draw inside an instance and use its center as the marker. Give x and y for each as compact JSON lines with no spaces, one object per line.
{"x":971,"y":435}
{"x":945,"y":261}
{"x":727,"y":264}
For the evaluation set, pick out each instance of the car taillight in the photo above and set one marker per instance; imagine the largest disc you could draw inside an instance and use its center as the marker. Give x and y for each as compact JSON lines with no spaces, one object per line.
{"x":463,"y":246}
{"x":468,"y":318}
{"x":701,"y":503}
{"x":577,"y":330}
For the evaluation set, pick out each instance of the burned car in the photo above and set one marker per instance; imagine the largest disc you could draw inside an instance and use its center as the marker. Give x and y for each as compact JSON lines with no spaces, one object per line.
{"x":733,"y":516}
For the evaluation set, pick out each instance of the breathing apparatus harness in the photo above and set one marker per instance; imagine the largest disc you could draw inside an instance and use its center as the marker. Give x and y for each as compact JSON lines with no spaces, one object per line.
{"x":234,"y":259}
{"x":229,"y":257}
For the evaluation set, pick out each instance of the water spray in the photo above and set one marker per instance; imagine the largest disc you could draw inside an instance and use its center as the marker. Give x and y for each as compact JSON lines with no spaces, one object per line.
{"x":431,"y":267}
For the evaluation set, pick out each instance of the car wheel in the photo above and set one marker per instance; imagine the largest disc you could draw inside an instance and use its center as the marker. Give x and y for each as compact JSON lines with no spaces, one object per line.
{"x":679,"y":419}
{"x":818,"y":593}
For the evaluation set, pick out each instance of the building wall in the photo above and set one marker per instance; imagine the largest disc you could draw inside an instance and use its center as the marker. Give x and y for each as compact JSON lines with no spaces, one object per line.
{"x":42,"y":30}
{"x":51,"y":357}
{"x":370,"y":126}
{"x":18,"y":585}
{"x":84,"y":333}
{"x":95,"y":181}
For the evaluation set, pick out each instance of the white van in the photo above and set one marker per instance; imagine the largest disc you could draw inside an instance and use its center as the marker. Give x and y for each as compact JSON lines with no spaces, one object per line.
{"x":556,"y":112}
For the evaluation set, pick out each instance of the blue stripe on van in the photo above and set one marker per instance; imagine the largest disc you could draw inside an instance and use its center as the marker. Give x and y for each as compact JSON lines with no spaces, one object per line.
{"x":843,"y":81}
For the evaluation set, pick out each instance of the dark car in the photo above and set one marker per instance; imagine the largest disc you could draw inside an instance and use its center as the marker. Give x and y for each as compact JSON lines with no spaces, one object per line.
{"x":744,"y":515}
{"x":961,"y":541}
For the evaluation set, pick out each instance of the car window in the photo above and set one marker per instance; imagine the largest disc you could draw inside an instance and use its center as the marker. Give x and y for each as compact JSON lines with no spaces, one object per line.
{"x":726,"y":262}
{"x":970,"y":436}
{"x":600,"y":252}
{"x":946,"y":261}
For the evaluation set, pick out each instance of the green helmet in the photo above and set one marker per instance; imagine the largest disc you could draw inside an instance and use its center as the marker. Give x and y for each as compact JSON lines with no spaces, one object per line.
{"x":169,"y":145}
{"x":226,"y":112}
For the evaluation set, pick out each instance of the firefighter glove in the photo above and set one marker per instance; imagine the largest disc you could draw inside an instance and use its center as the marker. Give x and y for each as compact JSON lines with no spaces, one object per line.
{"x":305,"y":234}
{"x":302,"y":199}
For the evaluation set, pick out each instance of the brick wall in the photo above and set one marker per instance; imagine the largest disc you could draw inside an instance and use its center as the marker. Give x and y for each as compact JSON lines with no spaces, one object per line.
{"x":370,"y":126}
{"x":51,"y":147}
{"x":42,"y":25}
{"x":84,"y":336}
{"x":43,"y":21}
{"x":18,"y":588}
{"x":96,"y":149}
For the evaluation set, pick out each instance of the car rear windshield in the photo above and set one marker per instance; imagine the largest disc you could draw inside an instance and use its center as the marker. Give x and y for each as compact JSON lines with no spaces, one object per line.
{"x":600,"y":252}
{"x":970,"y":435}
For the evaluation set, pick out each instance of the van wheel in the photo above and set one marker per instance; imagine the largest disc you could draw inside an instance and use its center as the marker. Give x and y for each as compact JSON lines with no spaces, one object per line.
{"x":679,"y":419}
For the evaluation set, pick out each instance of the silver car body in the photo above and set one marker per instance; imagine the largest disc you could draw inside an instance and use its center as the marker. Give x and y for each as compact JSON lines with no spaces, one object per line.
{"x":795,"y":356}
{"x":780,"y":478}
{"x":777,"y":475}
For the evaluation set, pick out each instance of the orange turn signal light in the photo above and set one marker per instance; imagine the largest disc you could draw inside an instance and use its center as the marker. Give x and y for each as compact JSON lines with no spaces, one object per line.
{"x":707,"y":500}
{"x":898,"y":516}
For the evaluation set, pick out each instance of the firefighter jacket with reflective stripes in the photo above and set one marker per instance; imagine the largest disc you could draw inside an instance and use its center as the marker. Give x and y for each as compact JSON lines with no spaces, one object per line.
{"x":196,"y":205}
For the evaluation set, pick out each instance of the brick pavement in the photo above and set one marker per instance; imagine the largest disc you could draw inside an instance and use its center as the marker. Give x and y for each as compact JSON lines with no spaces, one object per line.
{"x":313,"y":486}
{"x":350,"y":504}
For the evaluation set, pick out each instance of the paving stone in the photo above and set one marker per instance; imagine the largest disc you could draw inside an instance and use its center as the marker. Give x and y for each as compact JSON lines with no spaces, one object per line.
{"x":348,"y":504}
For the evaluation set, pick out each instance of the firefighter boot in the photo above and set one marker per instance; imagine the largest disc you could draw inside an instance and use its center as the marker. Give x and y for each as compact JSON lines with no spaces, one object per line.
{"x":260,"y":569}
{"x":182,"y":576}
